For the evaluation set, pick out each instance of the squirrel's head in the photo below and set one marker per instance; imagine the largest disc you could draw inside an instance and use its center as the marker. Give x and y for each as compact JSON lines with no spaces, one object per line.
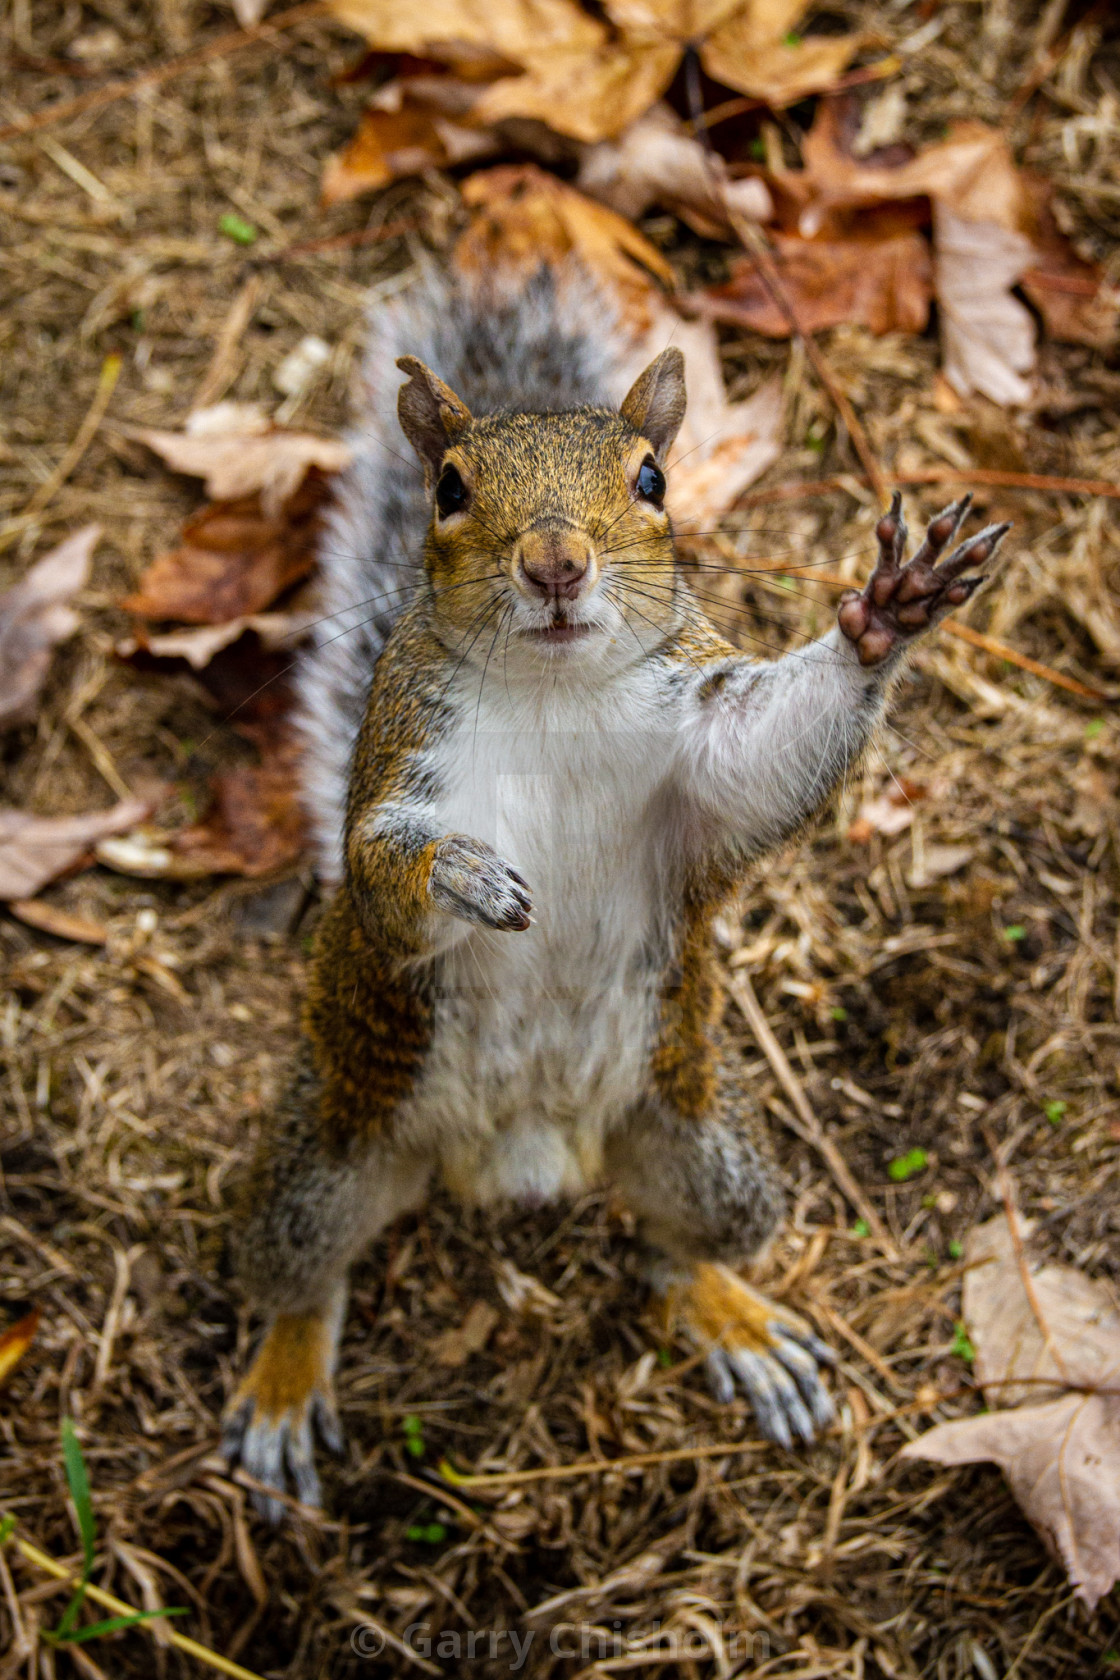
{"x":549,"y":535}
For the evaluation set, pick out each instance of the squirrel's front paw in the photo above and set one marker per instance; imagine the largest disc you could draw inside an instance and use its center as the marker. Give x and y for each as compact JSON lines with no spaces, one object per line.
{"x":904,"y":597}
{"x":470,"y":880}
{"x":770,"y":1353}
{"x":286,"y":1396}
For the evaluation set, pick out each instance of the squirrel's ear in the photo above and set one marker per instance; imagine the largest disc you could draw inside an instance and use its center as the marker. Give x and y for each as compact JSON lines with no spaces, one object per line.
{"x":655,"y":402}
{"x":430,"y":413}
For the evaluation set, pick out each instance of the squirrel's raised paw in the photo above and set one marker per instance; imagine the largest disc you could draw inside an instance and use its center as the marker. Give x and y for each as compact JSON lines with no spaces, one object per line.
{"x":284,"y":1400}
{"x":470,"y":880}
{"x":904,"y":597}
{"x":767,"y":1352}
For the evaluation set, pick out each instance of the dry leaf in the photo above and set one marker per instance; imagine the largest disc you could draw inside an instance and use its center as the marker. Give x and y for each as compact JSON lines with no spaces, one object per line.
{"x":755,"y":51}
{"x":454,"y":1347}
{"x":236,"y":450}
{"x":1041,"y":1330}
{"x":15,"y":1341}
{"x":991,"y":228}
{"x":657,"y":162}
{"x":35,"y":617}
{"x":255,"y":826}
{"x":517,"y":30}
{"x":987,"y":335}
{"x":199,"y":647}
{"x":234,"y":560}
{"x":890,"y":812}
{"x":936,"y":862}
{"x":722,"y":446}
{"x":64,"y":924}
{"x":590,"y":96}
{"x":37,"y":850}
{"x":389,"y":144}
{"x":1076,"y":305}
{"x":883,"y":284}
{"x":524,"y":217}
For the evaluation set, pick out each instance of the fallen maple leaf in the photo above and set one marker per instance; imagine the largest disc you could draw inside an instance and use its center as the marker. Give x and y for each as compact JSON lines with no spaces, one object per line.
{"x":35,"y":616}
{"x":988,"y":233}
{"x":524,"y":217}
{"x":37,"y":850}
{"x":238,"y":452}
{"x":1040,"y":1330}
{"x":884,"y":284}
{"x":571,"y":71}
{"x":15,"y":1341}
{"x":234,"y":559}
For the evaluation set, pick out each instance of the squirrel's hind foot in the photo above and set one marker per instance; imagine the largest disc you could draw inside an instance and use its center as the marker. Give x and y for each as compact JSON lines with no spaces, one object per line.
{"x":768,"y":1352}
{"x":285,"y":1398}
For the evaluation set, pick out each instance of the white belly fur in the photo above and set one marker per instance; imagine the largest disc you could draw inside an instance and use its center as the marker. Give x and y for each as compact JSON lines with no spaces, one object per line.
{"x":542,"y":1038}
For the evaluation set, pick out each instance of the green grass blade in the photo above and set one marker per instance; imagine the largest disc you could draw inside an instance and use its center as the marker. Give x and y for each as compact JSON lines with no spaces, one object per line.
{"x":114,"y":1624}
{"x":79,"y":1490}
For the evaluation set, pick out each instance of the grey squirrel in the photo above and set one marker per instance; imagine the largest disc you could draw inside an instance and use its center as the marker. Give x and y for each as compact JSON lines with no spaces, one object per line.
{"x":536,"y":773}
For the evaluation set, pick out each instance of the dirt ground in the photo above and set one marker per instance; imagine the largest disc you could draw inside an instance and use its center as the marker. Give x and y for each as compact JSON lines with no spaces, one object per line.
{"x":973,"y":1013}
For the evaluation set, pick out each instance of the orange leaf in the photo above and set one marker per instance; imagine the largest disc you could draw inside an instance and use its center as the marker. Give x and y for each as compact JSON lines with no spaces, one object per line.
{"x":524,"y":218}
{"x":234,"y":559}
{"x":883,"y":284}
{"x":15,"y":1341}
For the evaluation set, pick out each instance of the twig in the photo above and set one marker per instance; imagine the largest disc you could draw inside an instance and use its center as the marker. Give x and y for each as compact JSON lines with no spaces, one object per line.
{"x":596,"y":1466}
{"x":990,"y":644}
{"x":42,"y":1560}
{"x":985,"y":476}
{"x":125,"y":85}
{"x":810,"y":1128}
{"x":343,"y":241}
{"x":757,"y":247}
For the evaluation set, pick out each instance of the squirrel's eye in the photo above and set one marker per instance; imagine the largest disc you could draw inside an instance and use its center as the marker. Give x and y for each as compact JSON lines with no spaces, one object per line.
{"x":651,"y":482}
{"x":451,"y":492}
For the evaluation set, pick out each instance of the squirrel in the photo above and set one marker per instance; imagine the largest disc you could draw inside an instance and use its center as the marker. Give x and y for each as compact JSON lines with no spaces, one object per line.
{"x":536,"y":774}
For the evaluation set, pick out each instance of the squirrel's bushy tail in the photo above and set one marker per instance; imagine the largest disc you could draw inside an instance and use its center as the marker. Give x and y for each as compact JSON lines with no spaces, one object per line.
{"x":534,"y":346}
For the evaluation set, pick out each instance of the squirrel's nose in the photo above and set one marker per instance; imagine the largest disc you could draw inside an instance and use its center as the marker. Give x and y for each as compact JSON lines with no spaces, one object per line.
{"x":555,"y":562}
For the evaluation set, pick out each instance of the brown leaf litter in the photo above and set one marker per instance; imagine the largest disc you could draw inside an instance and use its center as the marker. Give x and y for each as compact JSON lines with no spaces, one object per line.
{"x":914,"y":1008}
{"x":35,"y":615}
{"x":1041,"y":1331}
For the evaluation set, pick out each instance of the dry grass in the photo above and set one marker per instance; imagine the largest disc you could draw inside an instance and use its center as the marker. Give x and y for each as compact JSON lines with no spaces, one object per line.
{"x":135,"y":1076}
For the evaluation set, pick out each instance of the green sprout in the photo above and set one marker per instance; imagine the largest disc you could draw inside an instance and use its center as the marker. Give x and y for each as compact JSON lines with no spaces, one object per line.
{"x":1054,"y":1111}
{"x":956,"y":1249}
{"x":67,"y":1632}
{"x":664,"y":1358}
{"x":962,"y":1344}
{"x":1014,"y":933}
{"x":791,"y":38}
{"x":838,"y":1012}
{"x":1093,"y":728}
{"x":429,"y":1534}
{"x":413,"y":1435}
{"x":906,"y":1166}
{"x":235,"y":227}
{"x":860,"y":1229}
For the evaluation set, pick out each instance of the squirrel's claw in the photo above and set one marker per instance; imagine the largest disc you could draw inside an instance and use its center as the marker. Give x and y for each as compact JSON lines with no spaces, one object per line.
{"x":767,"y":1353}
{"x":286,"y":1397}
{"x":279,"y":1451}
